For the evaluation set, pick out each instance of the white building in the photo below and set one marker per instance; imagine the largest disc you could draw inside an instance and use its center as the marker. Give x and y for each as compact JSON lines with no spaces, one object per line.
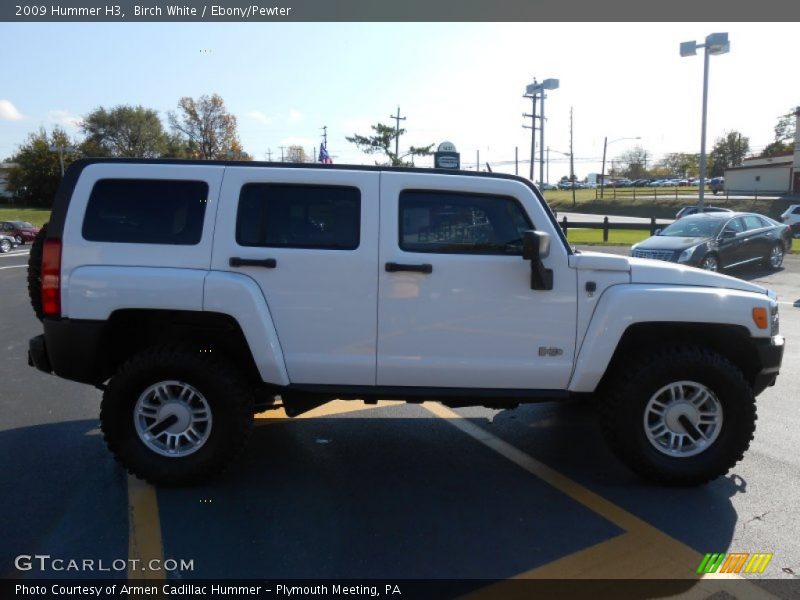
{"x":776,"y":174}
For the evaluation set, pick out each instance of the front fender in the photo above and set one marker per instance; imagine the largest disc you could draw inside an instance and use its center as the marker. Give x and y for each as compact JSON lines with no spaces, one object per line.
{"x":624,"y":305}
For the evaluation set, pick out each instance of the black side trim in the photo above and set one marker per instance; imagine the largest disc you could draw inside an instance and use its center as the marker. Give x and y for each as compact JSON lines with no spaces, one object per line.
{"x":67,"y":186}
{"x":449,"y":396}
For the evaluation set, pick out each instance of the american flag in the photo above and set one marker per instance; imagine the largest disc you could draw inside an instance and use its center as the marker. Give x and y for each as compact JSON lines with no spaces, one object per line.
{"x":324,"y":157}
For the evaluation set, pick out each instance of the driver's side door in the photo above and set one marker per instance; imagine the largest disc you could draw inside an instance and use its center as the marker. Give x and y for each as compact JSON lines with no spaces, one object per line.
{"x":731,"y":242}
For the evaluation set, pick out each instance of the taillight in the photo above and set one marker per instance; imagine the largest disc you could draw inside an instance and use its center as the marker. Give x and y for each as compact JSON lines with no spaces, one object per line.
{"x":51,"y":278}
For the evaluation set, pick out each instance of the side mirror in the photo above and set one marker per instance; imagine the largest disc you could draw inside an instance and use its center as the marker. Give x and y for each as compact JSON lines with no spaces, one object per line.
{"x":657,"y":231}
{"x":535,"y":245}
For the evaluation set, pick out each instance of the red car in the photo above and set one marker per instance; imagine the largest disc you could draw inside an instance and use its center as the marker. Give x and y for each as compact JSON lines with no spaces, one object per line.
{"x":22,"y":231}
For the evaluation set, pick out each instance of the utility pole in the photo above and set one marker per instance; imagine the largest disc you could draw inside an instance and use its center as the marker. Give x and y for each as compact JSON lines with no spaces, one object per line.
{"x":571,"y":158}
{"x":533,"y":129}
{"x":516,"y":160}
{"x":603,"y":170}
{"x":397,"y":120}
{"x":548,"y":164}
{"x":282,"y":148}
{"x":325,"y":136}
{"x":269,"y":154}
{"x":541,"y":141}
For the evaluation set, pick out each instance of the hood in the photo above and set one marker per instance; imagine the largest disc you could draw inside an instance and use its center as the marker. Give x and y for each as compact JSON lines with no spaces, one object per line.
{"x":644,"y":270}
{"x":668,"y":242}
{"x":655,"y":271}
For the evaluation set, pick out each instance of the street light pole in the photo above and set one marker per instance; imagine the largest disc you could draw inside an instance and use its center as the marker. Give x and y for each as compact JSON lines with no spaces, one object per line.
{"x":716,"y":43}
{"x":603,"y":169}
{"x":533,"y":91}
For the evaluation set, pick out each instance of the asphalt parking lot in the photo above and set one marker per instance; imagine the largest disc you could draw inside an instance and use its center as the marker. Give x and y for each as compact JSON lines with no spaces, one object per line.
{"x":395,"y":491}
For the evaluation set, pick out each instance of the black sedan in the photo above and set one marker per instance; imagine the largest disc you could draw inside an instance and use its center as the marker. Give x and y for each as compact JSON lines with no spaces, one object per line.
{"x":717,"y":241}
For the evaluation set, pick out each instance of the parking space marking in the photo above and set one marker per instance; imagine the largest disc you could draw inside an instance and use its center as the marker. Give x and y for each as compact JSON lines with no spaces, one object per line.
{"x":144,"y":529}
{"x":337,"y":407}
{"x":643,"y":551}
{"x":12,"y":254}
{"x":12,"y":267}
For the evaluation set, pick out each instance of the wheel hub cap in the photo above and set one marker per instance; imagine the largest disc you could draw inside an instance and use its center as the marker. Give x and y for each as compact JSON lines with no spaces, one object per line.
{"x":776,"y":257}
{"x":172,"y":418}
{"x":682,"y":419}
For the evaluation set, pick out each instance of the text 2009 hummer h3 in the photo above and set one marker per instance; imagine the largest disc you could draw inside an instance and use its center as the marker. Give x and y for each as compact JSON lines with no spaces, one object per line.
{"x":194,"y":293}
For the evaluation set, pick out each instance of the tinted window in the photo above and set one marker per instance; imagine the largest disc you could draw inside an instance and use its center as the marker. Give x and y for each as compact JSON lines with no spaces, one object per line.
{"x":447,"y":222}
{"x":146,"y":211}
{"x":796,"y":211}
{"x":735,"y":225}
{"x":299,"y":216}
{"x":753,"y":222}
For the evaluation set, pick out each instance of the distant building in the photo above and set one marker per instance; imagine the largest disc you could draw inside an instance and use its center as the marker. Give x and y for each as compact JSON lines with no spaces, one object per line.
{"x":4,"y":170}
{"x":776,"y":174}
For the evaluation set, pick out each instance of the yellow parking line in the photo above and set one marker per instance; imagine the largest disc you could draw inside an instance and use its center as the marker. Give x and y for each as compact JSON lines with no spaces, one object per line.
{"x":144,"y":530}
{"x":337,"y":407}
{"x":643,"y":551}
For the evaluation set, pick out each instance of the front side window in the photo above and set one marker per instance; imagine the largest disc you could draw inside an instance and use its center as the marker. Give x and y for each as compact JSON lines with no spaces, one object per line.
{"x":460,"y":223}
{"x":280,"y":215}
{"x":146,"y":211}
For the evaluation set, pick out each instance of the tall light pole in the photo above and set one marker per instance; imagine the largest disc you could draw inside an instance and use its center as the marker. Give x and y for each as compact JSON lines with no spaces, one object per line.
{"x":537,"y":90}
{"x":61,"y":150}
{"x":716,"y":43}
{"x":603,"y":170}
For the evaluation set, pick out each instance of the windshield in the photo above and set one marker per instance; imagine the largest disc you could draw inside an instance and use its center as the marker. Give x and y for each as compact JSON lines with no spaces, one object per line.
{"x":22,"y":224}
{"x":693,"y":228}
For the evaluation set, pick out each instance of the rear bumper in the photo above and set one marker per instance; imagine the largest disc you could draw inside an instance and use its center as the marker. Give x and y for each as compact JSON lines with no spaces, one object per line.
{"x":69,"y":349}
{"x":770,"y":354}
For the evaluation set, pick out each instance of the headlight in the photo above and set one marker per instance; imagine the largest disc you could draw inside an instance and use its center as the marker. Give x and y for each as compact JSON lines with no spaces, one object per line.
{"x":686,"y":255}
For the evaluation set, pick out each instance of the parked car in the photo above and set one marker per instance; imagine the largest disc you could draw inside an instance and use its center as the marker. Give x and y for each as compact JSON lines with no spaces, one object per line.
{"x":21,"y":231}
{"x":692,"y":210}
{"x":792,"y":218}
{"x":547,"y":186}
{"x":717,"y":241}
{"x":7,"y":243}
{"x":716,"y":184}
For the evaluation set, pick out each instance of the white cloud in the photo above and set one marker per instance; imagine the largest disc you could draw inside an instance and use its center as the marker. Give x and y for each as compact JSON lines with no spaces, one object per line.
{"x":259,"y":116}
{"x":9,"y":112}
{"x":64,"y":118}
{"x":294,"y":116}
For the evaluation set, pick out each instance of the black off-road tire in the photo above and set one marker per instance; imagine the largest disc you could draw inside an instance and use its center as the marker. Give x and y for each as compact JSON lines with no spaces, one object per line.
{"x":35,"y":272}
{"x":227,"y":392}
{"x":624,"y":400}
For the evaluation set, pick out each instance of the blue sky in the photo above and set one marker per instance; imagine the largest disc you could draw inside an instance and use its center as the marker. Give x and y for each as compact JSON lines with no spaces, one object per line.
{"x":453,"y":81}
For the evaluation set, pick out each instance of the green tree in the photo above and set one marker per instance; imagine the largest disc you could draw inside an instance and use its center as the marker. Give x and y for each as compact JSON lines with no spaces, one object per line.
{"x":728,"y":151}
{"x":35,"y":178}
{"x":206,"y":126}
{"x":683,"y":164}
{"x":784,"y":135}
{"x":127,"y":131}
{"x":383,"y":142}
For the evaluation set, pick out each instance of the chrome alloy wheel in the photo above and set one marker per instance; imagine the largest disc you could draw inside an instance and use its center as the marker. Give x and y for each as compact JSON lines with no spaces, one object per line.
{"x":776,"y":256}
{"x":710,"y":263}
{"x":172,"y":418}
{"x":682,"y":419}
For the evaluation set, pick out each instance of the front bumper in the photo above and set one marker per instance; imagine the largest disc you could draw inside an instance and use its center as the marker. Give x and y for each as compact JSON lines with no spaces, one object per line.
{"x":770,"y":354}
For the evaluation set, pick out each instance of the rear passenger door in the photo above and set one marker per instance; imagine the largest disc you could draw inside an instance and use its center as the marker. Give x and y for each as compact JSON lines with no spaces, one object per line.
{"x":309,"y":238}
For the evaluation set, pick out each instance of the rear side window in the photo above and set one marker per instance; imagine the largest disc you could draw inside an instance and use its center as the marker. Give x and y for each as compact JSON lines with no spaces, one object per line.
{"x":459,"y":223}
{"x":146,"y":211}
{"x":753,"y":222}
{"x":278,"y":215}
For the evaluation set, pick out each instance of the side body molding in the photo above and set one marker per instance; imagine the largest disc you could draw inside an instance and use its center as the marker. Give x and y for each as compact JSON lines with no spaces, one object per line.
{"x":240,"y":297}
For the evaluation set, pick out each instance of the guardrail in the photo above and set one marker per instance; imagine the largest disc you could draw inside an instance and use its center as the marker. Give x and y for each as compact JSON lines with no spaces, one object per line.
{"x":606,"y":225}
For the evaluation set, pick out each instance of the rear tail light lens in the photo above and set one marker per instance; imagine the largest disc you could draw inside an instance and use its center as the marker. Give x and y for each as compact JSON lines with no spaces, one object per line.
{"x":51,"y":278}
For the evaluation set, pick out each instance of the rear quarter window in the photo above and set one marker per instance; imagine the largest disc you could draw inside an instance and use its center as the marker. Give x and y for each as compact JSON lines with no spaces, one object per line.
{"x":146,"y":211}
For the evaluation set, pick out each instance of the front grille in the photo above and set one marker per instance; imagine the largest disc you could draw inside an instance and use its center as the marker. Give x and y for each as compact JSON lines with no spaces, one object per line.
{"x":656,"y":254}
